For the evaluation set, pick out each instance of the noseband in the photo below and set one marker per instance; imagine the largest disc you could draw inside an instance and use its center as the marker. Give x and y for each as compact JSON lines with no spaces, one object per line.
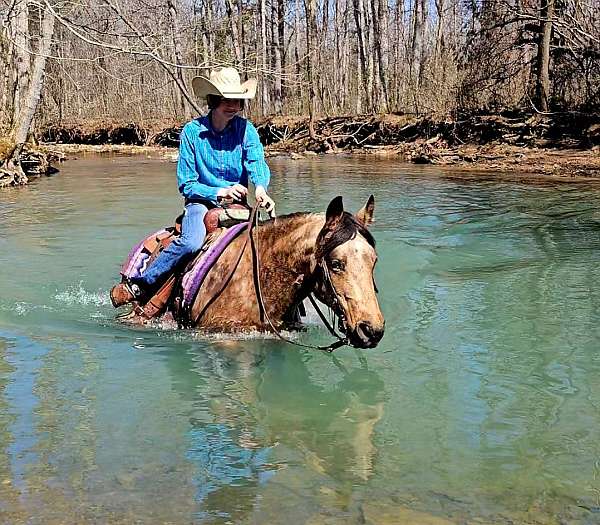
{"x":336,"y":304}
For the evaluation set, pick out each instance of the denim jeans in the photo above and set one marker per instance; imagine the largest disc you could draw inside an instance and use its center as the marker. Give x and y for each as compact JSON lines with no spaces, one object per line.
{"x":190,"y":241}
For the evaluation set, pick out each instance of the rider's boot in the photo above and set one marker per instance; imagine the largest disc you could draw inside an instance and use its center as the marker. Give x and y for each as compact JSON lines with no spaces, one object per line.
{"x":124,"y":293}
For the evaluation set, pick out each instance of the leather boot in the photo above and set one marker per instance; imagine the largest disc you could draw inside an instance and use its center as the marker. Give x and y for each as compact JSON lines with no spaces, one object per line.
{"x":124,"y":293}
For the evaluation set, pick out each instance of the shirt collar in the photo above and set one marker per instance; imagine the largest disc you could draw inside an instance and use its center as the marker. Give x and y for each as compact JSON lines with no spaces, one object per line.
{"x":205,"y":125}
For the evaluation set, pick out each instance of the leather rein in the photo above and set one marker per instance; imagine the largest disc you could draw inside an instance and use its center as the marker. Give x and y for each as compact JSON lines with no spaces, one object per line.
{"x":264,"y":316}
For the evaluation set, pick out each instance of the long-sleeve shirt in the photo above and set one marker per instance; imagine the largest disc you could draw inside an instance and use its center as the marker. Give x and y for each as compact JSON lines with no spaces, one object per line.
{"x":209,"y":161}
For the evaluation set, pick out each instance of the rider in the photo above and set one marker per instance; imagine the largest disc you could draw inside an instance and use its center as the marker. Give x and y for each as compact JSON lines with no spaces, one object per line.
{"x":218,"y":154}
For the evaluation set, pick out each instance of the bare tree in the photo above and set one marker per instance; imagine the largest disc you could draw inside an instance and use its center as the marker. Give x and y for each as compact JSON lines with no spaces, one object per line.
{"x":131,"y":60}
{"x":28,"y":100}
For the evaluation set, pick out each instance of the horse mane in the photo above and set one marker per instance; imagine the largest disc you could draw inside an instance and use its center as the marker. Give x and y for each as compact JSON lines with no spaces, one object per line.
{"x":345,"y":229}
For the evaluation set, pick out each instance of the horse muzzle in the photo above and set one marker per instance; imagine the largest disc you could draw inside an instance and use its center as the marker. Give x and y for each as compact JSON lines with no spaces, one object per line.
{"x":365,"y":335}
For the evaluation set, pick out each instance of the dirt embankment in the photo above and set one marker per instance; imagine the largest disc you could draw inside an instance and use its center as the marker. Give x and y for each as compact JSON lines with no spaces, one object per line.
{"x":565,"y":144}
{"x":561,"y":144}
{"x":33,"y":162}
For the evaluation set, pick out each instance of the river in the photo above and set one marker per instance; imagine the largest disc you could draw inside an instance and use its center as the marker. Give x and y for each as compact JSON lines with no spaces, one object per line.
{"x":480,"y":405}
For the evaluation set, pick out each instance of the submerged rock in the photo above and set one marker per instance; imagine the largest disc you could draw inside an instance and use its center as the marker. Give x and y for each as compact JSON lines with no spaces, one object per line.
{"x":379,"y":513}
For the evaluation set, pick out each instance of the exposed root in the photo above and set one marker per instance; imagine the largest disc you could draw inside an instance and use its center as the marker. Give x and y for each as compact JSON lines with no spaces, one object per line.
{"x":31,"y":163}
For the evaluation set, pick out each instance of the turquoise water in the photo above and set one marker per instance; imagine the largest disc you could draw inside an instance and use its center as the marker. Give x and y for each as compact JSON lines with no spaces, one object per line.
{"x":480,"y":405}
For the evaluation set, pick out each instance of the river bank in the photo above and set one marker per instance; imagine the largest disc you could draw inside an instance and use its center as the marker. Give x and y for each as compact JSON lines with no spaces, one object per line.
{"x":564,"y":146}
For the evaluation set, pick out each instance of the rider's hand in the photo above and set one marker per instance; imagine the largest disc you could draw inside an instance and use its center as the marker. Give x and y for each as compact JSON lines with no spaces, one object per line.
{"x":264,"y":200}
{"x":237,"y":192}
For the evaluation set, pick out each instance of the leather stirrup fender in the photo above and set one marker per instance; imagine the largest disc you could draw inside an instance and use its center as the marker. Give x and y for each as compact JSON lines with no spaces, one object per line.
{"x":159,"y":300}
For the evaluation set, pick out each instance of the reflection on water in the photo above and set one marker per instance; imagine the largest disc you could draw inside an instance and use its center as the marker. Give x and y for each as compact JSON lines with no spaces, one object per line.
{"x":480,"y":405}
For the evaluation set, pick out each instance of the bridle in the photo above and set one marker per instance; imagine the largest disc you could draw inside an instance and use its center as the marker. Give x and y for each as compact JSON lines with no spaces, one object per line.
{"x":336,"y":308}
{"x":330,"y":291}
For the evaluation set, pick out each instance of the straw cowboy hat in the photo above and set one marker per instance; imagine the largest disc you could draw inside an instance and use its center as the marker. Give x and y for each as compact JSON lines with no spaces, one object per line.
{"x":226,"y":83}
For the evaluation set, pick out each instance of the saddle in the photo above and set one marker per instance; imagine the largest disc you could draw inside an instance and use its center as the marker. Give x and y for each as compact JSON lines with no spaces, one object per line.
{"x":217,"y":222}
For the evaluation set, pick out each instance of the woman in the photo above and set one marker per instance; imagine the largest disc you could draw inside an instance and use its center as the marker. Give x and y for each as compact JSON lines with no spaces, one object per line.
{"x":218,"y":154}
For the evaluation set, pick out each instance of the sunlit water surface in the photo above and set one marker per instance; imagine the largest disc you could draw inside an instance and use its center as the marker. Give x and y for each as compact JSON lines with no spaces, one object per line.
{"x":480,"y":405}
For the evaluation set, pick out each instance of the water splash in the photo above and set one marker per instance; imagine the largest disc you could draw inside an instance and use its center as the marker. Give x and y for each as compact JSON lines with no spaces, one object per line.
{"x":243,"y":335}
{"x":78,"y":295}
{"x":23,"y":308}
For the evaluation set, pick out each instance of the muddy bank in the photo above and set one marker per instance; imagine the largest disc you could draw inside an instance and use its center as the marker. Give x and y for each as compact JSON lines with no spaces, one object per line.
{"x":562,"y":144}
{"x":101,"y":133}
{"x":561,"y":130}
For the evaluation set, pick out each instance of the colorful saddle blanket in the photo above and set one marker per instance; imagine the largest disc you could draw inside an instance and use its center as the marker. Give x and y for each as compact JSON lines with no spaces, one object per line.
{"x":144,"y":253}
{"x":194,"y":277}
{"x":139,"y":256}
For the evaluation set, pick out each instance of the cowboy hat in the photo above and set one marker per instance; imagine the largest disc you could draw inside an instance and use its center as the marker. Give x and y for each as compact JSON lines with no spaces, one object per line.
{"x":226,"y":83}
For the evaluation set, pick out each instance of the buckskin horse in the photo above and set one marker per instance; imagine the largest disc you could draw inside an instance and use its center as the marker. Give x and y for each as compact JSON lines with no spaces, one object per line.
{"x":262,"y":286}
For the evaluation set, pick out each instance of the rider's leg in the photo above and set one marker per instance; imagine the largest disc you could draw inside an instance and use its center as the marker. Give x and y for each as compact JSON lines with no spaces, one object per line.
{"x":189,"y":242}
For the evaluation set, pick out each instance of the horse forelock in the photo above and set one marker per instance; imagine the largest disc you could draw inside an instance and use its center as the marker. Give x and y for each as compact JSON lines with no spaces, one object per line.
{"x":346,"y":229}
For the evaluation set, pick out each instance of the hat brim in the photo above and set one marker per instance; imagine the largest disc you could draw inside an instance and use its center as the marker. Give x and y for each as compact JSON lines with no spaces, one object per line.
{"x":202,"y":87}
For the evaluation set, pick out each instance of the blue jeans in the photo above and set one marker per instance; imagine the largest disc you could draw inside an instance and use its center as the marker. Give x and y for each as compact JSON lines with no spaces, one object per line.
{"x":190,"y":241}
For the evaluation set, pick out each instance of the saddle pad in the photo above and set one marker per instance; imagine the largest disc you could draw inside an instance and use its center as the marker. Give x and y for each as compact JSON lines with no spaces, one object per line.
{"x":135,"y":264}
{"x":193,"y":279}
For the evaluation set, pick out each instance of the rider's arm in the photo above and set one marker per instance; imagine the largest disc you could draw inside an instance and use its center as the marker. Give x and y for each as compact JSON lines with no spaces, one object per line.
{"x":254,"y":158}
{"x":187,"y":174}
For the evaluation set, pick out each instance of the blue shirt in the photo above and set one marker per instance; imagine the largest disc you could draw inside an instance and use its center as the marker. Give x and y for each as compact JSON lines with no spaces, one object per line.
{"x":209,"y":161}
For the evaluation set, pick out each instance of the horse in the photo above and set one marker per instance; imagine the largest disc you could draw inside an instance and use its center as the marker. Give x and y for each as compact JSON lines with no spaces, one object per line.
{"x":331,"y":256}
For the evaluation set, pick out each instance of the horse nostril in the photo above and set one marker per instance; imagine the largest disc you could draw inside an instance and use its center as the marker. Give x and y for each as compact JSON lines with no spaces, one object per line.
{"x":364,"y":328}
{"x":368,"y":333}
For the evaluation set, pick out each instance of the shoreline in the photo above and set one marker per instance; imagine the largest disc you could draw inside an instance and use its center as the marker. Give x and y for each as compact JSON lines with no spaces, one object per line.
{"x":511,"y":144}
{"x":469,"y":161}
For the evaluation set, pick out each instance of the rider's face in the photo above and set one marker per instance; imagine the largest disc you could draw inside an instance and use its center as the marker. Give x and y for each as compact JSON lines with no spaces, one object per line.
{"x":229,"y":107}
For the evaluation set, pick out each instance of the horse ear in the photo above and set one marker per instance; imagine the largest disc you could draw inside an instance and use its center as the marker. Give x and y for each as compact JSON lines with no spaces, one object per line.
{"x":334,"y":210}
{"x":365,"y":214}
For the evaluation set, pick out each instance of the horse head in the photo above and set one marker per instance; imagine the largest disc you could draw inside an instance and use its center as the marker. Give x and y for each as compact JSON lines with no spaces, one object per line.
{"x":344,"y":262}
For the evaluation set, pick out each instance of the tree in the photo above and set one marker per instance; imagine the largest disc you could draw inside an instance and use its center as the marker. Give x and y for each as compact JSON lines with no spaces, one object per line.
{"x":29,"y":84}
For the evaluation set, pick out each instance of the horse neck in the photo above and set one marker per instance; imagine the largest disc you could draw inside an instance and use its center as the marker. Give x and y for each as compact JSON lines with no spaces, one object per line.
{"x":292,"y":237}
{"x":286,"y":246}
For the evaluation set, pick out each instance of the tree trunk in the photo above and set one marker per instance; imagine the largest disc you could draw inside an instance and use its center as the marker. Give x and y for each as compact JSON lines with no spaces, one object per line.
{"x":342,"y":53}
{"x":298,"y":68}
{"x":206,"y":32}
{"x":6,"y":58}
{"x":176,"y":36}
{"x":276,"y":46}
{"x":235,"y":37}
{"x":439,"y":43}
{"x":543,"y":80}
{"x":242,"y":36}
{"x":211,"y":30}
{"x":362,"y":55}
{"x":281,"y":37}
{"x":36,"y":84}
{"x":12,"y":171}
{"x":384,"y":42}
{"x":378,"y":24}
{"x":263,"y":52}
{"x":311,"y":24}
{"x":20,"y":25}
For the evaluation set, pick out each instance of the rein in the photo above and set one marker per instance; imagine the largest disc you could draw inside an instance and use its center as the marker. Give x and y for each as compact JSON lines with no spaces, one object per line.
{"x":341,"y":341}
{"x":249,"y":237}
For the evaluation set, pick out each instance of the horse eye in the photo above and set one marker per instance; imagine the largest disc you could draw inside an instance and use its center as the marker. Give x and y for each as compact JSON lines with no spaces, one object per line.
{"x":337,"y":265}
